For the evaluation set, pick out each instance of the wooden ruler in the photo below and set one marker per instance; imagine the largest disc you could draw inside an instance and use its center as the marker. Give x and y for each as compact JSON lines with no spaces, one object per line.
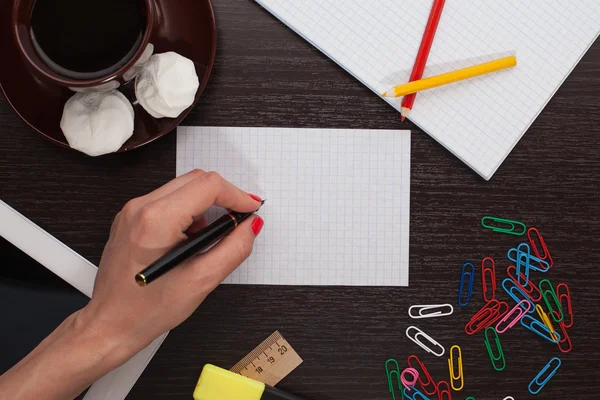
{"x":270,"y":361}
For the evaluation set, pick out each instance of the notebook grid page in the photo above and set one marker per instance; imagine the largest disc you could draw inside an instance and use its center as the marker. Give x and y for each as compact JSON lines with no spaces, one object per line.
{"x":479,"y":120}
{"x":337,"y":200}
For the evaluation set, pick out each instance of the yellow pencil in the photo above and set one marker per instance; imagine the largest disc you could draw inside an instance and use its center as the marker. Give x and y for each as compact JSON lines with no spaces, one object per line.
{"x":451,"y":77}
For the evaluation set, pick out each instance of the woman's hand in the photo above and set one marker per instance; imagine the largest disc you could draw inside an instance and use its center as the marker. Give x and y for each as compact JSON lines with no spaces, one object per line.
{"x":146,"y":228}
{"x":122,"y":317}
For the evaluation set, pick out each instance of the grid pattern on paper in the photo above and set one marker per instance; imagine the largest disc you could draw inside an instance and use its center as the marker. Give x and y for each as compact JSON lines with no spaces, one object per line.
{"x":337,"y":210}
{"x":479,"y":120}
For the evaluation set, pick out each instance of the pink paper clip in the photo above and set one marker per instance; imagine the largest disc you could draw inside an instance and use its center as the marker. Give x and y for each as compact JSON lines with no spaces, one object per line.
{"x":425,"y":374}
{"x":490,"y":267}
{"x":405,"y":382}
{"x":443,"y":390}
{"x":546,"y":254}
{"x":567,"y":296}
{"x":530,"y":289}
{"x":564,"y":345}
{"x":520,"y":311}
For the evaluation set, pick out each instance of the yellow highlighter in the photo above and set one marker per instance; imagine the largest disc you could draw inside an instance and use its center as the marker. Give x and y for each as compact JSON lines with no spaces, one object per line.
{"x":451,"y":77}
{"x":219,"y":384}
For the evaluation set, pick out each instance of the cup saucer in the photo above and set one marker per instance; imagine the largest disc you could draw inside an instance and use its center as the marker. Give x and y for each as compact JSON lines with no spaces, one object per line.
{"x":186,"y":27}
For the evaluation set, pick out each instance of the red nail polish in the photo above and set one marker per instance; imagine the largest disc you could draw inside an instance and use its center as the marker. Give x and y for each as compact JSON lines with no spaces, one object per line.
{"x":255,"y":197}
{"x":257,"y":225}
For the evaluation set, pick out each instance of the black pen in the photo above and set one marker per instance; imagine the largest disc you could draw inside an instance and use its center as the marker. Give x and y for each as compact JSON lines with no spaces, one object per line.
{"x":197,"y":242}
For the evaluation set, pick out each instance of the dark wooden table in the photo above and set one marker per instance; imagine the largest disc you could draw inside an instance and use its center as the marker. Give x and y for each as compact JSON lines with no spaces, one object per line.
{"x":265,"y":75}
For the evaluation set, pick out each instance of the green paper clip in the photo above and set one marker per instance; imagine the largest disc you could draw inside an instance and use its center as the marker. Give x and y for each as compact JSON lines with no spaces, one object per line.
{"x":390,"y":373}
{"x":552,"y":293}
{"x":510,"y":228}
{"x":488,"y":346}
{"x":470,"y":398}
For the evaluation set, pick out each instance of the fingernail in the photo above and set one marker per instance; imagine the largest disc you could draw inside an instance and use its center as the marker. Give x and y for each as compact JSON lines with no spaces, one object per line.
{"x":255,"y":197}
{"x":257,"y":225}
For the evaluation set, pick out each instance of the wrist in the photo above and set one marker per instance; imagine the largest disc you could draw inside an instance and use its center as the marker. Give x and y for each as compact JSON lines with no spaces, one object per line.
{"x":109,"y":348}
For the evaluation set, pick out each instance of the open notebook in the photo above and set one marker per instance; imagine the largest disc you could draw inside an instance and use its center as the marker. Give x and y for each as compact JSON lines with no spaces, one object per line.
{"x":337,"y":200}
{"x":480,"y":120}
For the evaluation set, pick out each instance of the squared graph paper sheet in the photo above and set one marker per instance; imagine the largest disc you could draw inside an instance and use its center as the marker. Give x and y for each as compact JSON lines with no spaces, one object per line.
{"x":337,"y":209}
{"x":480,"y":120}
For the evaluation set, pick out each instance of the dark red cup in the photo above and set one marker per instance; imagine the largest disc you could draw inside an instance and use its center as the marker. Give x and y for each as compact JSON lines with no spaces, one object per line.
{"x":21,"y":28}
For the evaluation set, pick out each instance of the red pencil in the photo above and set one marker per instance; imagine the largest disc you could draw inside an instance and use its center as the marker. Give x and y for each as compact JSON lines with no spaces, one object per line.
{"x":423,"y":54}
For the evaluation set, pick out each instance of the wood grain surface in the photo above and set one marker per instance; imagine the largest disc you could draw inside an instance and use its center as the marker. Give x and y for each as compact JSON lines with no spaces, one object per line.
{"x":265,"y":75}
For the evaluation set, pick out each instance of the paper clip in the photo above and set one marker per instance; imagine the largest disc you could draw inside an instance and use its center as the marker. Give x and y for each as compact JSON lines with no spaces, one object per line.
{"x":390,"y":377}
{"x":557,"y":314}
{"x":464,"y":273}
{"x":460,"y":376}
{"x":443,"y":390}
{"x":534,"y":263}
{"x":405,"y":382}
{"x":470,"y":398}
{"x":516,"y":309}
{"x":508,"y":398}
{"x":536,"y":381}
{"x":442,"y":310}
{"x":511,"y":227}
{"x":488,"y":346}
{"x":522,"y":262}
{"x":486,"y":316}
{"x":532,"y":233}
{"x":424,"y":373}
{"x":516,"y":293}
{"x":564,"y":339}
{"x":531,"y":290}
{"x":539,"y":328}
{"x":414,"y":394}
{"x":491,"y":269}
{"x":569,"y":307}
{"x":426,"y":336}
{"x":546,"y":321}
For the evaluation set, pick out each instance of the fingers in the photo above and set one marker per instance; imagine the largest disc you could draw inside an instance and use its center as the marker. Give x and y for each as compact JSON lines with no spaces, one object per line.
{"x":209,"y":269}
{"x":197,"y":195}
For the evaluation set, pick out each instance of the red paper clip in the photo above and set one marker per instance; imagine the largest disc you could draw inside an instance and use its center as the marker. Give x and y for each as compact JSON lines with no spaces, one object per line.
{"x":486,"y":316}
{"x":546,"y":255}
{"x":564,"y":337}
{"x":492,"y":272}
{"x":444,"y":392}
{"x":425,"y":373}
{"x":561,"y":296}
{"x":531,"y":290}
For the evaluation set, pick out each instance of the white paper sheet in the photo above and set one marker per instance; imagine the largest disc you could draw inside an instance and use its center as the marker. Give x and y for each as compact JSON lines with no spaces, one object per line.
{"x":337,"y":200}
{"x":479,"y":120}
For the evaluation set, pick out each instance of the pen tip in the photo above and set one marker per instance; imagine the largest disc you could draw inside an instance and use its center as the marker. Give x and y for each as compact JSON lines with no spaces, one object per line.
{"x":262,"y":202}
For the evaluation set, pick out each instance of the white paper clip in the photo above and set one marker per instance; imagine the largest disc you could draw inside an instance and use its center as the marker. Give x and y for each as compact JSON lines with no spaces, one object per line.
{"x":442,"y":310}
{"x":509,"y":398}
{"x":426,"y":336}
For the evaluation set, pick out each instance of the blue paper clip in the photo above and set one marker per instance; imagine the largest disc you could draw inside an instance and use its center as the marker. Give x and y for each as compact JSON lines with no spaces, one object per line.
{"x":523,"y":257}
{"x":539,"y":328}
{"x":471,"y":275}
{"x":514,"y":291}
{"x":413,"y":394}
{"x":536,"y":381}
{"x":535,"y":263}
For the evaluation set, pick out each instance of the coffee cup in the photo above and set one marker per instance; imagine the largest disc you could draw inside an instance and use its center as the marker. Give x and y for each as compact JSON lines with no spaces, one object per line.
{"x":84,"y":45}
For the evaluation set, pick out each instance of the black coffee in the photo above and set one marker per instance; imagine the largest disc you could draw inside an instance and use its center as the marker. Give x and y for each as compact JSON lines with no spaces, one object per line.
{"x":86,"y":36}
